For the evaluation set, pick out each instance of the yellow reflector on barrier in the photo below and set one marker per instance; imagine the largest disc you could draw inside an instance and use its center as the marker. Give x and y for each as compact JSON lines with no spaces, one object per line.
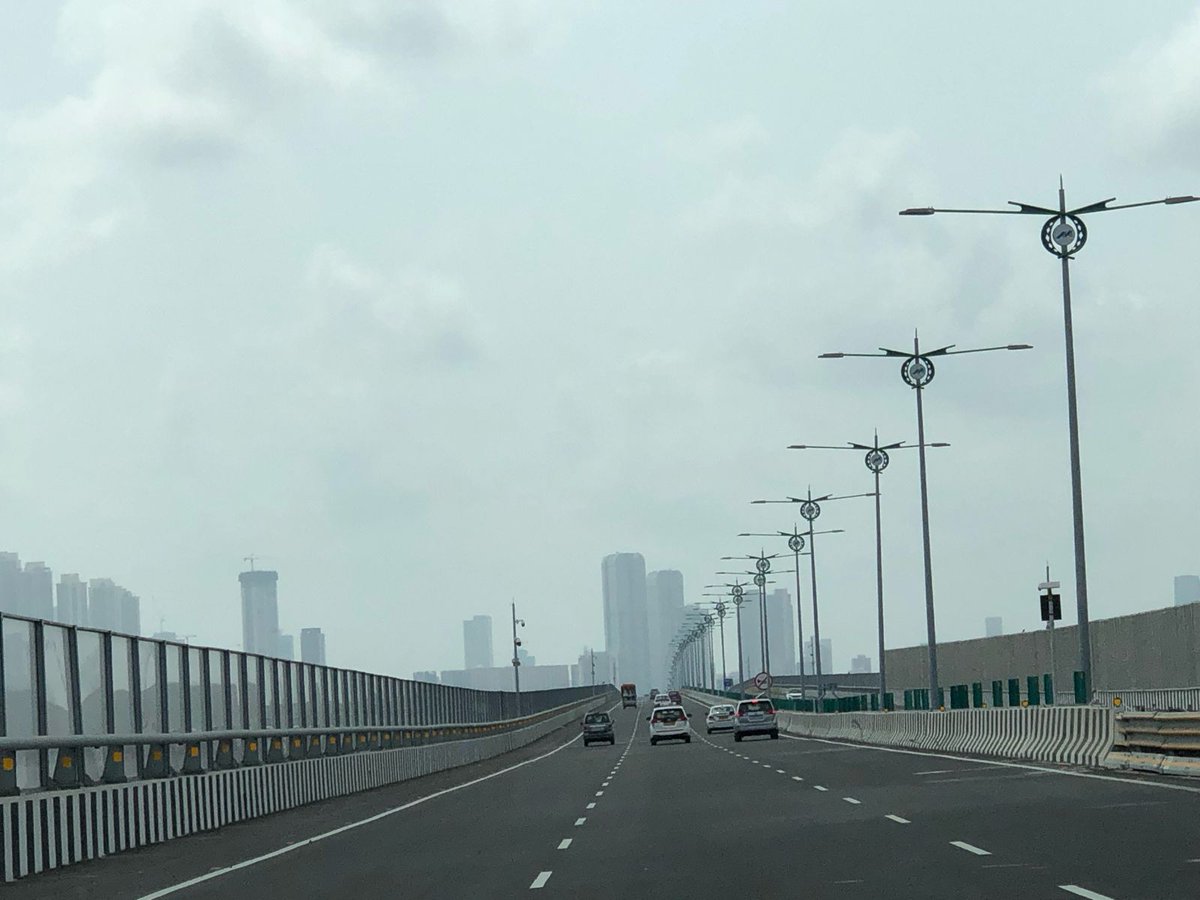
{"x":193,"y":751}
{"x":8,"y":764}
{"x":156,"y":755}
{"x":66,"y":762}
{"x":1116,"y":701}
{"x":118,"y":756}
{"x":254,"y":745}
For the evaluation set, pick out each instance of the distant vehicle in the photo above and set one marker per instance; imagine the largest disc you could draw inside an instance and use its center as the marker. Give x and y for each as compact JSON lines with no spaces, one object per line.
{"x":755,"y":717}
{"x":653,"y":693}
{"x":664,"y":700}
{"x":675,"y":696}
{"x":598,"y":729}
{"x":628,"y":695}
{"x":719,"y":718}
{"x":669,"y":723}
{"x":795,"y":695}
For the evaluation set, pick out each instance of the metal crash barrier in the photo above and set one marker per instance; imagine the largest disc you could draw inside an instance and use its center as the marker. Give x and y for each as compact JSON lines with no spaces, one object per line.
{"x":1165,"y":742}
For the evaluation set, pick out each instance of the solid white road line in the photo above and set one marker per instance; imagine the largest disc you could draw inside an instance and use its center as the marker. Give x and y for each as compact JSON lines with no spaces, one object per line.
{"x":540,"y":881}
{"x":591,"y":806}
{"x":255,"y":860}
{"x":935,"y":772}
{"x":580,"y":821}
{"x":819,"y":787}
{"x":1008,"y":765}
{"x":852,"y":800}
{"x":1083,"y":892}
{"x":900,"y":819}
{"x":564,"y":843}
{"x":970,"y":848}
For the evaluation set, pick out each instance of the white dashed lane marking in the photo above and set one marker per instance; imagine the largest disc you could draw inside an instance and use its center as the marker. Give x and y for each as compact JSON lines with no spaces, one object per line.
{"x":580,"y":821}
{"x":970,"y":848}
{"x":852,"y":800}
{"x":1083,"y":892}
{"x":901,"y":820}
{"x":564,"y":843}
{"x":599,"y":793}
{"x":781,"y":772}
{"x":591,"y":805}
{"x":797,"y":778}
{"x":818,"y":787}
{"x":540,"y":881}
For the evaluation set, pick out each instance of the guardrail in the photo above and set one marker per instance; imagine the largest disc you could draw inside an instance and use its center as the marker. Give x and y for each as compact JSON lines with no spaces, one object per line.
{"x":1153,"y":700}
{"x":65,"y":687}
{"x":1164,"y":742}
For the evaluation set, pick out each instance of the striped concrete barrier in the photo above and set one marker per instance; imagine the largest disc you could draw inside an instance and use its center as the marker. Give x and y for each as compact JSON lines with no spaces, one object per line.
{"x":49,"y":830}
{"x":1075,"y":735}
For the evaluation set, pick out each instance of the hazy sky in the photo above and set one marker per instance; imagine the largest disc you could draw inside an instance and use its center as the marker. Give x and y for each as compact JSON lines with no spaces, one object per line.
{"x":434,"y":304}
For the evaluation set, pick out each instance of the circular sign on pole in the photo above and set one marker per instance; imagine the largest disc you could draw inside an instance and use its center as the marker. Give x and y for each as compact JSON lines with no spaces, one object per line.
{"x":795,"y":543}
{"x":762,"y":564}
{"x":917,"y":371}
{"x":760,"y":579}
{"x":738,"y":590}
{"x":763,"y":681}
{"x":809,"y":510}
{"x":877,"y":460}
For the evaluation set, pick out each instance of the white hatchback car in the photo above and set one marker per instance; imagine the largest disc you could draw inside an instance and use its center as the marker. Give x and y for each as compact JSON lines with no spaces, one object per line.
{"x":669,"y":723}
{"x":719,"y":718}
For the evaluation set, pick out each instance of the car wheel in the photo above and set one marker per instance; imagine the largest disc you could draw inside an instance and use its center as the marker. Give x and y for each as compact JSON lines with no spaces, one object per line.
{"x":687,"y":740}
{"x":774,"y":735}
{"x":738,"y":738}
{"x":653,"y":741}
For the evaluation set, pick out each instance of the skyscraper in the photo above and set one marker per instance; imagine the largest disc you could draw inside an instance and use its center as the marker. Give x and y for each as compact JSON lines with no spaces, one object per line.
{"x":37,"y":591}
{"x":129,"y":619}
{"x":260,"y":612}
{"x":477,"y":643}
{"x":10,"y":583}
{"x":860,"y":664}
{"x":312,"y":646}
{"x":993,"y":626}
{"x":72,"y":600}
{"x":104,"y":604}
{"x":286,"y":646}
{"x":664,"y":613}
{"x":623,"y":580}
{"x":810,"y":665}
{"x":781,"y":632}
{"x":1187,"y":589}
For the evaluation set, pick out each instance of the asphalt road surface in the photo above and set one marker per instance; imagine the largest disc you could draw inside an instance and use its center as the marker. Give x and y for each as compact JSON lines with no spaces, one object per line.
{"x":714,"y":818}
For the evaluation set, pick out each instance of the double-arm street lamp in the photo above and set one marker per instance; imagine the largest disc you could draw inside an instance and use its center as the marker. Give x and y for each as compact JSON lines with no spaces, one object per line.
{"x":1063,"y":235}
{"x":719,"y":610}
{"x":795,"y":541}
{"x":810,"y":509}
{"x":516,"y":657}
{"x":917,"y":370}
{"x":877,"y":460}
{"x":762,"y":565}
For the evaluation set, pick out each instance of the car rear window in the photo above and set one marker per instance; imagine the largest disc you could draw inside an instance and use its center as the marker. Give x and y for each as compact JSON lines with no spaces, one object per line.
{"x":763,"y":706}
{"x":668,"y":715}
{"x":596,"y":718}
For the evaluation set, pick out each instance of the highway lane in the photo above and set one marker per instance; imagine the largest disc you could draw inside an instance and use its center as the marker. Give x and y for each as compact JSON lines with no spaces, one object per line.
{"x":1047,"y":829}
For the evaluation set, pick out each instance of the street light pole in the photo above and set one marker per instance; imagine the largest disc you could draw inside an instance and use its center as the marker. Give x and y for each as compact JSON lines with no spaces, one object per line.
{"x":917,"y":370}
{"x":516,"y":659}
{"x":1063,"y":235}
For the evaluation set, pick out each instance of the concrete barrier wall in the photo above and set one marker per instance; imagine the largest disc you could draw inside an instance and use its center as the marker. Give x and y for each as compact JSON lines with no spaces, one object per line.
{"x":1155,"y":649}
{"x":1079,"y":735}
{"x":53,"y":829}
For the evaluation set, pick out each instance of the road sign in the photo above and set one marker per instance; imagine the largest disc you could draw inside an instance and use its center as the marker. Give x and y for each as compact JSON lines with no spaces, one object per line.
{"x":763,"y":681}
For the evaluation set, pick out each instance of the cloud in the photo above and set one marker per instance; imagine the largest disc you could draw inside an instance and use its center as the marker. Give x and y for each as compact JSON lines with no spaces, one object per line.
{"x":719,"y":142}
{"x":199,"y":81}
{"x":1155,"y":95}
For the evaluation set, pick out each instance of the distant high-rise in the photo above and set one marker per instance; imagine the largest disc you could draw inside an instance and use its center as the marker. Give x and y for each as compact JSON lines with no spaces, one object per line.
{"x":312,"y":646}
{"x":129,"y":612}
{"x":860,"y":664}
{"x":993,"y":626}
{"x":11,"y":584}
{"x":260,"y":612}
{"x":104,"y":604}
{"x":623,"y":580}
{"x":810,"y":664}
{"x":781,"y":633}
{"x":72,"y":605}
{"x":601,"y":662}
{"x":477,"y":643}
{"x":664,"y":613}
{"x":426,"y":676}
{"x":37,"y":591}
{"x":1187,"y":589}
{"x":286,"y":646}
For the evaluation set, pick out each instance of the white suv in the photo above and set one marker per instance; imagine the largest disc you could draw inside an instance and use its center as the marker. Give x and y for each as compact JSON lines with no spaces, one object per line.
{"x":669,"y":723}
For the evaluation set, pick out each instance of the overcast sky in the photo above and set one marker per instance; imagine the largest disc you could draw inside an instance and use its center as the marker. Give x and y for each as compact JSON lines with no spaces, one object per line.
{"x":434,"y":304}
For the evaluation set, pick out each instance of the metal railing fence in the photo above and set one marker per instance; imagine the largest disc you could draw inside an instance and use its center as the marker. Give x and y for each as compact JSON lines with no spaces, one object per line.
{"x":66,"y":686}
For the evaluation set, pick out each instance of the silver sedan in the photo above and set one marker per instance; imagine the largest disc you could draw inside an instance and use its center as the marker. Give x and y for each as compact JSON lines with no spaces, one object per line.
{"x":719,"y":718}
